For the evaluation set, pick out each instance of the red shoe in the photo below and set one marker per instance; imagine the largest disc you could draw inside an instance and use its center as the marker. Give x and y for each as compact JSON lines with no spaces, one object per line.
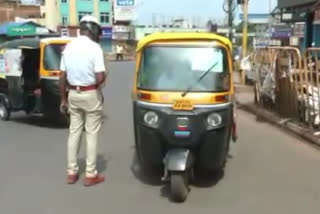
{"x":93,"y":181}
{"x":72,"y":179}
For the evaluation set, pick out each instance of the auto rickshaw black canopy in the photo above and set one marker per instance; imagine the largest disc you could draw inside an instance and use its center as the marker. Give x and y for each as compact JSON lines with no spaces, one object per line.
{"x":27,"y":43}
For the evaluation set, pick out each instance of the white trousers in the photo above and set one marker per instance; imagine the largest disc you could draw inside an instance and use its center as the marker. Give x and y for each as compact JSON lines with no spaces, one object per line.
{"x":86,"y":111}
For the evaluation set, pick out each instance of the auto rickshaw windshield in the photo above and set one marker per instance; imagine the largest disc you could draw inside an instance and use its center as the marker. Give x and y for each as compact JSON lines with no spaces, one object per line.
{"x":176,"y":68}
{"x":52,"y":56}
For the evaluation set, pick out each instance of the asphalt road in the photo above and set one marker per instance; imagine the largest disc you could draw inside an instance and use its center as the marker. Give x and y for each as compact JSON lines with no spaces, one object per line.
{"x":269,"y":172}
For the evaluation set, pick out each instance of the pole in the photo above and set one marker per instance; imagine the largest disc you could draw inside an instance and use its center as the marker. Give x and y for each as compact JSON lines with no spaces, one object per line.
{"x":244,"y":36}
{"x":230,"y":18}
{"x":270,"y":23}
{"x":245,"y":29}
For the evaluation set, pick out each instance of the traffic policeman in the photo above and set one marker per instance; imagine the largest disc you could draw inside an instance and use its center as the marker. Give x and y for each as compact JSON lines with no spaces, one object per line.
{"x":83,"y":73}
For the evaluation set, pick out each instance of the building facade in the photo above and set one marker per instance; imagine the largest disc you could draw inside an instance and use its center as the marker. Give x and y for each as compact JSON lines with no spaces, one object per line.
{"x":10,"y":9}
{"x":304,"y":16}
{"x":71,"y":11}
{"x":52,"y":14}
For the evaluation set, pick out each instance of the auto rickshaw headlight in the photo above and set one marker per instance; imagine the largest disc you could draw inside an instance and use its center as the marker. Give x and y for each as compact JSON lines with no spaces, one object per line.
{"x":151,"y":119}
{"x":214,"y":120}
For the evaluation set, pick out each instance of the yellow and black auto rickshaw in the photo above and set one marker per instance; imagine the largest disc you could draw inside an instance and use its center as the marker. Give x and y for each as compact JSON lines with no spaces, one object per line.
{"x":29,"y":78}
{"x":183,"y":105}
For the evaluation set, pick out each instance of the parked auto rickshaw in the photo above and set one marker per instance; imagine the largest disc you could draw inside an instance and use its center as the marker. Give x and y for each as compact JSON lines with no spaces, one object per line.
{"x":30,"y":77}
{"x":183,"y":105}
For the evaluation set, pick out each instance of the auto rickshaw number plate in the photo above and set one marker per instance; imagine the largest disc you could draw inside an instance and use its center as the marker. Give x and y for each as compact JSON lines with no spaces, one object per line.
{"x":183,"y":105}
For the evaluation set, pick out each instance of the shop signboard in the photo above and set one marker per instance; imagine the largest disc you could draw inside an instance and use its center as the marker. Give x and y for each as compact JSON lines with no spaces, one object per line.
{"x":294,"y":16}
{"x":121,"y":28}
{"x":107,"y":32}
{"x":281,"y":32}
{"x":124,"y":10}
{"x":122,"y":32}
{"x":125,"y":2}
{"x":121,"y":36}
{"x":21,"y":30}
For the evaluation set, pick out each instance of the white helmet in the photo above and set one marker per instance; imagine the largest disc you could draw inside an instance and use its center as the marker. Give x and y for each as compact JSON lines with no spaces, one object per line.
{"x":89,"y":19}
{"x":91,"y":23}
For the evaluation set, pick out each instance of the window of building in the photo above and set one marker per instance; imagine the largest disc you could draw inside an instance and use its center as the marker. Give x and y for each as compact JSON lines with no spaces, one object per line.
{"x":63,"y":1}
{"x":82,"y":14}
{"x":104,"y":17}
{"x":64,"y":20}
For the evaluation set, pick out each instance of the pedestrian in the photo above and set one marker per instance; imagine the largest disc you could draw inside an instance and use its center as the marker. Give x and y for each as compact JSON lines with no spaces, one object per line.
{"x":119,"y":52}
{"x":83,"y":73}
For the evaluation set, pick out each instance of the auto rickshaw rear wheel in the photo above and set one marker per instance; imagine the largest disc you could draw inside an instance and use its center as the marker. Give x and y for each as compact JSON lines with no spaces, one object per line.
{"x":179,"y":186}
{"x":4,"y":111}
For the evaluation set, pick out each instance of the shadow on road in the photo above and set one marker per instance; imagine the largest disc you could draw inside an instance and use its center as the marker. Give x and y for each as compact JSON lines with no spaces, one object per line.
{"x":39,"y":121}
{"x":146,"y":176}
{"x":203,"y":180}
{"x":151,"y":177}
{"x":102,"y":164}
{"x":207,"y":179}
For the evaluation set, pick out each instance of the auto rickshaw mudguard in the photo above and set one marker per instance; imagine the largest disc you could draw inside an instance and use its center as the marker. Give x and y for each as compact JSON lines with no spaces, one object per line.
{"x":4,"y":97}
{"x":178,"y":160}
{"x":214,"y":150}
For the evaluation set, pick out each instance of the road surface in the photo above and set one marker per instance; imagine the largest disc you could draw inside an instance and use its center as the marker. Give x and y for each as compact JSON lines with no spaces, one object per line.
{"x":269,"y":172}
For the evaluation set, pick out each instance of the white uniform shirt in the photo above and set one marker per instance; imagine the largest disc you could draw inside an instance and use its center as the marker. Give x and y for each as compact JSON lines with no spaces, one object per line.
{"x":81,"y":60}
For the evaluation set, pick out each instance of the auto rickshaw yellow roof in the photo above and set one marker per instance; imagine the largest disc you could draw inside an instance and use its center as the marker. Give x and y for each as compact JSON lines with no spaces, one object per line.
{"x":158,"y":37}
{"x":57,"y":39}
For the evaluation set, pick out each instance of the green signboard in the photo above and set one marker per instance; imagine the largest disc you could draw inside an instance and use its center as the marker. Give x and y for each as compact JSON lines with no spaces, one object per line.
{"x":23,"y":30}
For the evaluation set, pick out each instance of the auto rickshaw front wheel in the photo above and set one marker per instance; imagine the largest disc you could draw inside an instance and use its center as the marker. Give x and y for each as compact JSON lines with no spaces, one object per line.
{"x":179,"y":186}
{"x":4,"y":111}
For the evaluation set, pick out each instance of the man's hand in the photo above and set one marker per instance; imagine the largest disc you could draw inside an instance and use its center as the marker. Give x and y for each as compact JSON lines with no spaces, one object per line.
{"x":63,"y":93}
{"x":64,"y":106}
{"x":100,"y":78}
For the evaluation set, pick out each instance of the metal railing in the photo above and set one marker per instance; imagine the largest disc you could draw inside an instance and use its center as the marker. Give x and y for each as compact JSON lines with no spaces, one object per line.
{"x":310,"y":94}
{"x":288,"y":83}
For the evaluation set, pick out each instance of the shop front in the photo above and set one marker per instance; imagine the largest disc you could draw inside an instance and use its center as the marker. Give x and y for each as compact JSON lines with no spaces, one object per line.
{"x":106,"y":39}
{"x":301,"y":16}
{"x":316,"y":29}
{"x":122,"y":33}
{"x":282,"y":33}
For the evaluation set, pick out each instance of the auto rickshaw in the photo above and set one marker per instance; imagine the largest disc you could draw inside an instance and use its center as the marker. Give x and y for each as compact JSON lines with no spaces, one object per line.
{"x":183,"y":105}
{"x":30,"y":77}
